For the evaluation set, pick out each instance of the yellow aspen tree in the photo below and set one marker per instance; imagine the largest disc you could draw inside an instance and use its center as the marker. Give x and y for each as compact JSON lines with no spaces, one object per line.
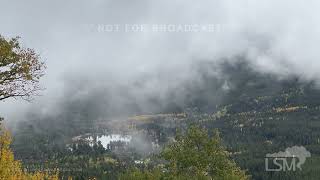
{"x":11,"y":169}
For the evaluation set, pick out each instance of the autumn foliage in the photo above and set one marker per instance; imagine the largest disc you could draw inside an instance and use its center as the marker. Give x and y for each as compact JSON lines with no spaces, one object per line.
{"x":20,"y":70}
{"x":11,"y":169}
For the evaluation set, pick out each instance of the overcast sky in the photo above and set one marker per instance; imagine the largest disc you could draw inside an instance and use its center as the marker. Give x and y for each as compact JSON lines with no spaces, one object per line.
{"x":119,"y":41}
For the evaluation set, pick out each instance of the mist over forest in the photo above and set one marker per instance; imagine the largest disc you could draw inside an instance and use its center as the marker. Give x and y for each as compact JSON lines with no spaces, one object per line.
{"x":146,"y":89}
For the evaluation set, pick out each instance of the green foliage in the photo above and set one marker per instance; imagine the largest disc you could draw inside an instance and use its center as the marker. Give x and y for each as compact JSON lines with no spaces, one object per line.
{"x":269,"y":124}
{"x":193,"y":156}
{"x":198,"y":154}
{"x":136,"y":174}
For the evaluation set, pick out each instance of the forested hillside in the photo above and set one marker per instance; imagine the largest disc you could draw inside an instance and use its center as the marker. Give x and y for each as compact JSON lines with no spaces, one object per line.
{"x":257,"y":115}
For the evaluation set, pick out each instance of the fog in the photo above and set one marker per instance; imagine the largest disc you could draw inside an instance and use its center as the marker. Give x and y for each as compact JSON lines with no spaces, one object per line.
{"x":97,"y":49}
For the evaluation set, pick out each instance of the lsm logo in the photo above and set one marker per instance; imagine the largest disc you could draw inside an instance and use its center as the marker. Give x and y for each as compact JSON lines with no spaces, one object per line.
{"x":288,"y":160}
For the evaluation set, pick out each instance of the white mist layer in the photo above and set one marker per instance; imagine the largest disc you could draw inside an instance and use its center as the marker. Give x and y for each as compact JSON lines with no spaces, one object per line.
{"x":278,"y":37}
